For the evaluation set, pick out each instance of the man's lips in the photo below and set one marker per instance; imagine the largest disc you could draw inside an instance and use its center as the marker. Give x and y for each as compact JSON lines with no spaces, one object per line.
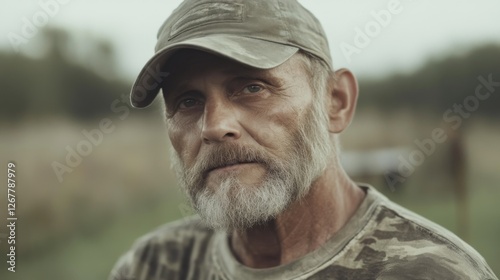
{"x":229,"y":165}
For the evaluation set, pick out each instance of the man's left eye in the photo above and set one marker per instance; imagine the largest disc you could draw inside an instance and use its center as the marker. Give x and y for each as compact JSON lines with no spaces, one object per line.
{"x":252,"y":89}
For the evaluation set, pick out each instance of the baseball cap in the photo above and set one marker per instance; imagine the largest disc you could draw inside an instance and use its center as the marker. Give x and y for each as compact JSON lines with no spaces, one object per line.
{"x":261,"y":34}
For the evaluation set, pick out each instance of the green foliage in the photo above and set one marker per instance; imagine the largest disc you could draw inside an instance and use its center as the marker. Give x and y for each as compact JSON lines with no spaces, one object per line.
{"x":55,"y":85}
{"x":438,"y":85}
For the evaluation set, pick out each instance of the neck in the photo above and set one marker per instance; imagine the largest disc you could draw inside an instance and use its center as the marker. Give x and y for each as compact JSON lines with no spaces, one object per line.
{"x":303,"y":227}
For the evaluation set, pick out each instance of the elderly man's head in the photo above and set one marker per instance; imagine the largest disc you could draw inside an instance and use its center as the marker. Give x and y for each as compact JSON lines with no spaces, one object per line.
{"x":253,"y":106}
{"x":247,"y":142}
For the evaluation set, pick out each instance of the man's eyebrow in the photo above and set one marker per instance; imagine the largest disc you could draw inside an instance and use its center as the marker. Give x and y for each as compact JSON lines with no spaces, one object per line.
{"x":172,"y":93}
{"x":254,"y":73}
{"x":175,"y":84}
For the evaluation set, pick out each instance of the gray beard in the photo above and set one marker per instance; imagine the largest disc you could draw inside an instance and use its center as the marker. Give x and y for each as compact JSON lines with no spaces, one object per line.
{"x":235,"y":205}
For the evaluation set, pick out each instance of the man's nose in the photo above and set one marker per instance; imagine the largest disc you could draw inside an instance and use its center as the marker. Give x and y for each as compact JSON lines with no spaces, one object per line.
{"x":220,"y":123}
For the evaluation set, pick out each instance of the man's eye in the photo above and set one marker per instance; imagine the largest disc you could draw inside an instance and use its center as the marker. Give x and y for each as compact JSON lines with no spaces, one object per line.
{"x":252,"y":89}
{"x":188,"y":103}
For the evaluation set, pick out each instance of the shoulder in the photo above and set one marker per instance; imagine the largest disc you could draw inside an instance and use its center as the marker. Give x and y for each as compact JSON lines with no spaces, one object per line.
{"x":412,"y":245}
{"x":173,"y":245}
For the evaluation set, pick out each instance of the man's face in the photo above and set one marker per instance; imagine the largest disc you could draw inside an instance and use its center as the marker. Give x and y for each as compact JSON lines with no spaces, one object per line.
{"x":247,"y":142}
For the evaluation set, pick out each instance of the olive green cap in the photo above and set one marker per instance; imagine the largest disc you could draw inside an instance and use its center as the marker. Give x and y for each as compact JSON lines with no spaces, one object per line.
{"x":258,"y":33}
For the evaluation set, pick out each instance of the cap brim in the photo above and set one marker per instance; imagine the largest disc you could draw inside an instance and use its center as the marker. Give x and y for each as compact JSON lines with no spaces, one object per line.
{"x":249,"y":51}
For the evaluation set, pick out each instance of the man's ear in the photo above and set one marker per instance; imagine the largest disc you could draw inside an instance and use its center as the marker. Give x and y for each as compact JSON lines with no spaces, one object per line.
{"x":342,"y":97}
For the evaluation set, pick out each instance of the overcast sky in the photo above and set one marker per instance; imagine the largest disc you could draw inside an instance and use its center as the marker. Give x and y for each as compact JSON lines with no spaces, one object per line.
{"x":417,"y":30}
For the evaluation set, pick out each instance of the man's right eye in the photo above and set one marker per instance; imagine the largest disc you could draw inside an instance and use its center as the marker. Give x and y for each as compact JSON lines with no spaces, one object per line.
{"x":188,"y":103}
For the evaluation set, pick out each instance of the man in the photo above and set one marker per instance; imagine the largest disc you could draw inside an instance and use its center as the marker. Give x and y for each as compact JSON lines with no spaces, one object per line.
{"x":253,"y":112}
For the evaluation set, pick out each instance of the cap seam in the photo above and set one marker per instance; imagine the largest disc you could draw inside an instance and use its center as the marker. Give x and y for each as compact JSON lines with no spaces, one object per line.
{"x":280,"y":11}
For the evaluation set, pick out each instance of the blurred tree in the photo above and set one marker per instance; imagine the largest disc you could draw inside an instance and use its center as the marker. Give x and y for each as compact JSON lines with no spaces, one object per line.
{"x":438,"y":85}
{"x":58,"y":84}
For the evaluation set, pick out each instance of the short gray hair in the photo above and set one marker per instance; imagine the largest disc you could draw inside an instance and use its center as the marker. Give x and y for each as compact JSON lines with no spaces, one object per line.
{"x":319,"y":75}
{"x":318,"y":72}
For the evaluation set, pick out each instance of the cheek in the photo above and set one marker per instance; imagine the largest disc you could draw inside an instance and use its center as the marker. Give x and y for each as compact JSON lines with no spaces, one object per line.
{"x":186,"y":142}
{"x":275,"y":129}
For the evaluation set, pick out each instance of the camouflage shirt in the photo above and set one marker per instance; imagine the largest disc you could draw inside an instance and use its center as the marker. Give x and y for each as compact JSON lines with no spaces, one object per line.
{"x":381,"y":241}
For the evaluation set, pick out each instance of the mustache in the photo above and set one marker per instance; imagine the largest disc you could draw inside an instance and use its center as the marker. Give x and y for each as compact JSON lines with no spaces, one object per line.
{"x":228,"y":154}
